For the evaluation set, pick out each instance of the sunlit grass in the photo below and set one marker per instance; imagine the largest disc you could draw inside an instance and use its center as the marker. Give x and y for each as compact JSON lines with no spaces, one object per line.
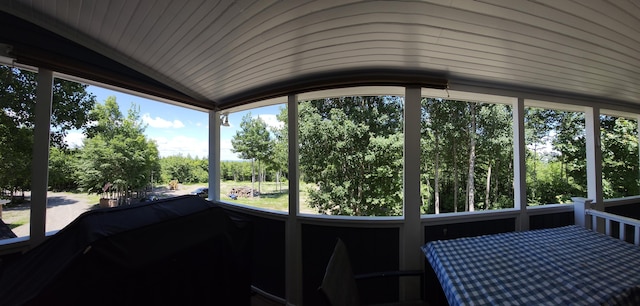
{"x":272,"y":196}
{"x":91,"y":199}
{"x":15,"y":218}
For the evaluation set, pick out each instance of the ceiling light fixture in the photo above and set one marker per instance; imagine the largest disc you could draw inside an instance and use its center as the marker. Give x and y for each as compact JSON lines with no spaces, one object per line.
{"x":224,"y":119}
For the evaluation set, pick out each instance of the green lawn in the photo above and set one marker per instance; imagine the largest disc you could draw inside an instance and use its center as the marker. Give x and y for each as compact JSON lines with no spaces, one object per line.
{"x":271,"y":197}
{"x":15,"y":218}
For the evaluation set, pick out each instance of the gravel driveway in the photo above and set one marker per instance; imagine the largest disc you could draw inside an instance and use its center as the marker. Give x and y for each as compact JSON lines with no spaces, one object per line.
{"x":64,"y":207}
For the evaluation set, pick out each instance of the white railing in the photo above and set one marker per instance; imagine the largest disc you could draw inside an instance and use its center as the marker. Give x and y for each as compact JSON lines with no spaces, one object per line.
{"x":609,"y":218}
{"x":592,"y":216}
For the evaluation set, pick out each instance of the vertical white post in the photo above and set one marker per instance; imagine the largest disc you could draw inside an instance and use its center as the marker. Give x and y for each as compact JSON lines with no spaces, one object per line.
{"x":594,"y":161}
{"x":293,"y":263}
{"x":214,"y":155}
{"x":519,"y":166}
{"x":411,"y":258}
{"x":40,"y":163}
{"x":594,"y":156}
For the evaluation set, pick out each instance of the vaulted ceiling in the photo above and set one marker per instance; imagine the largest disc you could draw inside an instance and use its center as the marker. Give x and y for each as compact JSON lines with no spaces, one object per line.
{"x":219,"y":54}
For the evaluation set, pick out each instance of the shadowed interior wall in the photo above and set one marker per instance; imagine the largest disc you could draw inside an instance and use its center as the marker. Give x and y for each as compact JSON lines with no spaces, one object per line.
{"x":370,"y":250}
{"x":268,"y":256}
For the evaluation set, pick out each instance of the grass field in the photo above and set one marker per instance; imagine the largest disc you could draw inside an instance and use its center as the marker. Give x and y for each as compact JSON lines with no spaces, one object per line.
{"x":271,"y":196}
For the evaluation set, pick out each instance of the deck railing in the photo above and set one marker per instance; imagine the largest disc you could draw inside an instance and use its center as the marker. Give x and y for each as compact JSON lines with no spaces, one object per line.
{"x":592,"y":216}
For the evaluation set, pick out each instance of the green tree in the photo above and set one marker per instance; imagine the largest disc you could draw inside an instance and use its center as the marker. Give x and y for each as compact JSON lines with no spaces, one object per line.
{"x":452,"y":165}
{"x":253,"y":142}
{"x":279,"y":161}
{"x":351,"y":148}
{"x":555,"y":176}
{"x":619,"y":137}
{"x":495,"y":155}
{"x":116,"y":152}
{"x":539,"y":123}
{"x":62,"y":163}
{"x":175,"y":168}
{"x":70,"y":107}
{"x":15,"y":158}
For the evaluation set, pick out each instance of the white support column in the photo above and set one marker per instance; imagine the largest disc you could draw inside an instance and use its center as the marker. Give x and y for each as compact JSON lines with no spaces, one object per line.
{"x":594,"y":156}
{"x":519,"y":166}
{"x":411,"y":257}
{"x":293,"y":262}
{"x":40,"y":163}
{"x":214,"y":155}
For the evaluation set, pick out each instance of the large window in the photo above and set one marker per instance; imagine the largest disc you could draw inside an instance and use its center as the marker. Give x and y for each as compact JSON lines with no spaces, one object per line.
{"x":254,"y":157}
{"x":351,"y":155}
{"x":128,"y":150}
{"x":555,"y":155}
{"x":467,"y":156}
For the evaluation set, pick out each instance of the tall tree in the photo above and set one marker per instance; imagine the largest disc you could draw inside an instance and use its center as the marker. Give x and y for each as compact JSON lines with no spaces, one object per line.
{"x":447,"y":143}
{"x":253,"y":142}
{"x":472,"y":158}
{"x":619,"y":156}
{"x":495,"y":154}
{"x":280,"y":159}
{"x":538,"y":123}
{"x":116,"y":152}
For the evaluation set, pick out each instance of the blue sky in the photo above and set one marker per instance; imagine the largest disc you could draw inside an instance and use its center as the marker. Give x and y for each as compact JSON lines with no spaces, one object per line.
{"x":175,"y":129}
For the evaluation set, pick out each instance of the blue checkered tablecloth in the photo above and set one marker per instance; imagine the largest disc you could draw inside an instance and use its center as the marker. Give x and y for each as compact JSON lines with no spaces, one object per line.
{"x":560,"y":266}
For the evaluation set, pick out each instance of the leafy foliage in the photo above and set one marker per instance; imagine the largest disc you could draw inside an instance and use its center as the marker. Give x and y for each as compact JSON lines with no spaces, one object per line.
{"x":351,"y":148}
{"x":453,"y":175}
{"x":184,"y":169}
{"x":116,"y":152}
{"x":619,"y":137}
{"x":70,"y":107}
{"x":253,"y":142}
{"x":62,"y":163}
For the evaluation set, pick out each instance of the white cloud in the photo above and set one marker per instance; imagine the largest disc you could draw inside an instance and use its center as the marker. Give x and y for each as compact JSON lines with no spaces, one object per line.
{"x":182,"y":145}
{"x":74,"y":139}
{"x":271,"y":121}
{"x":226,"y":144}
{"x":191,"y":146}
{"x":158,"y":122}
{"x":225,"y":150}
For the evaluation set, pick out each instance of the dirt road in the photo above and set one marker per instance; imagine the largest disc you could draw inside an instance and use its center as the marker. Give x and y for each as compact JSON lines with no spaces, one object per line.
{"x":64,"y":207}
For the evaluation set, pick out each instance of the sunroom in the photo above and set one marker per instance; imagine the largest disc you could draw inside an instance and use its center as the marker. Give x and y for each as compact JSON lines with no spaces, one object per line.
{"x":559,"y":80}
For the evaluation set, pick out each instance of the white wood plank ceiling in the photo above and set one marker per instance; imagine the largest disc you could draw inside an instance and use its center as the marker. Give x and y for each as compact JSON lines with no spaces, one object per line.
{"x":213,"y":50}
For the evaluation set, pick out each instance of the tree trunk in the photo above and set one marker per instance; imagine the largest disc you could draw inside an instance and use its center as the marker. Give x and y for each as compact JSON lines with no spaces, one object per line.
{"x":259,"y":176}
{"x":253,"y":177}
{"x":496,"y":182}
{"x":534,"y":184}
{"x":436,"y":187}
{"x":472,"y":157}
{"x":488,"y":188}
{"x":456,"y":178}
